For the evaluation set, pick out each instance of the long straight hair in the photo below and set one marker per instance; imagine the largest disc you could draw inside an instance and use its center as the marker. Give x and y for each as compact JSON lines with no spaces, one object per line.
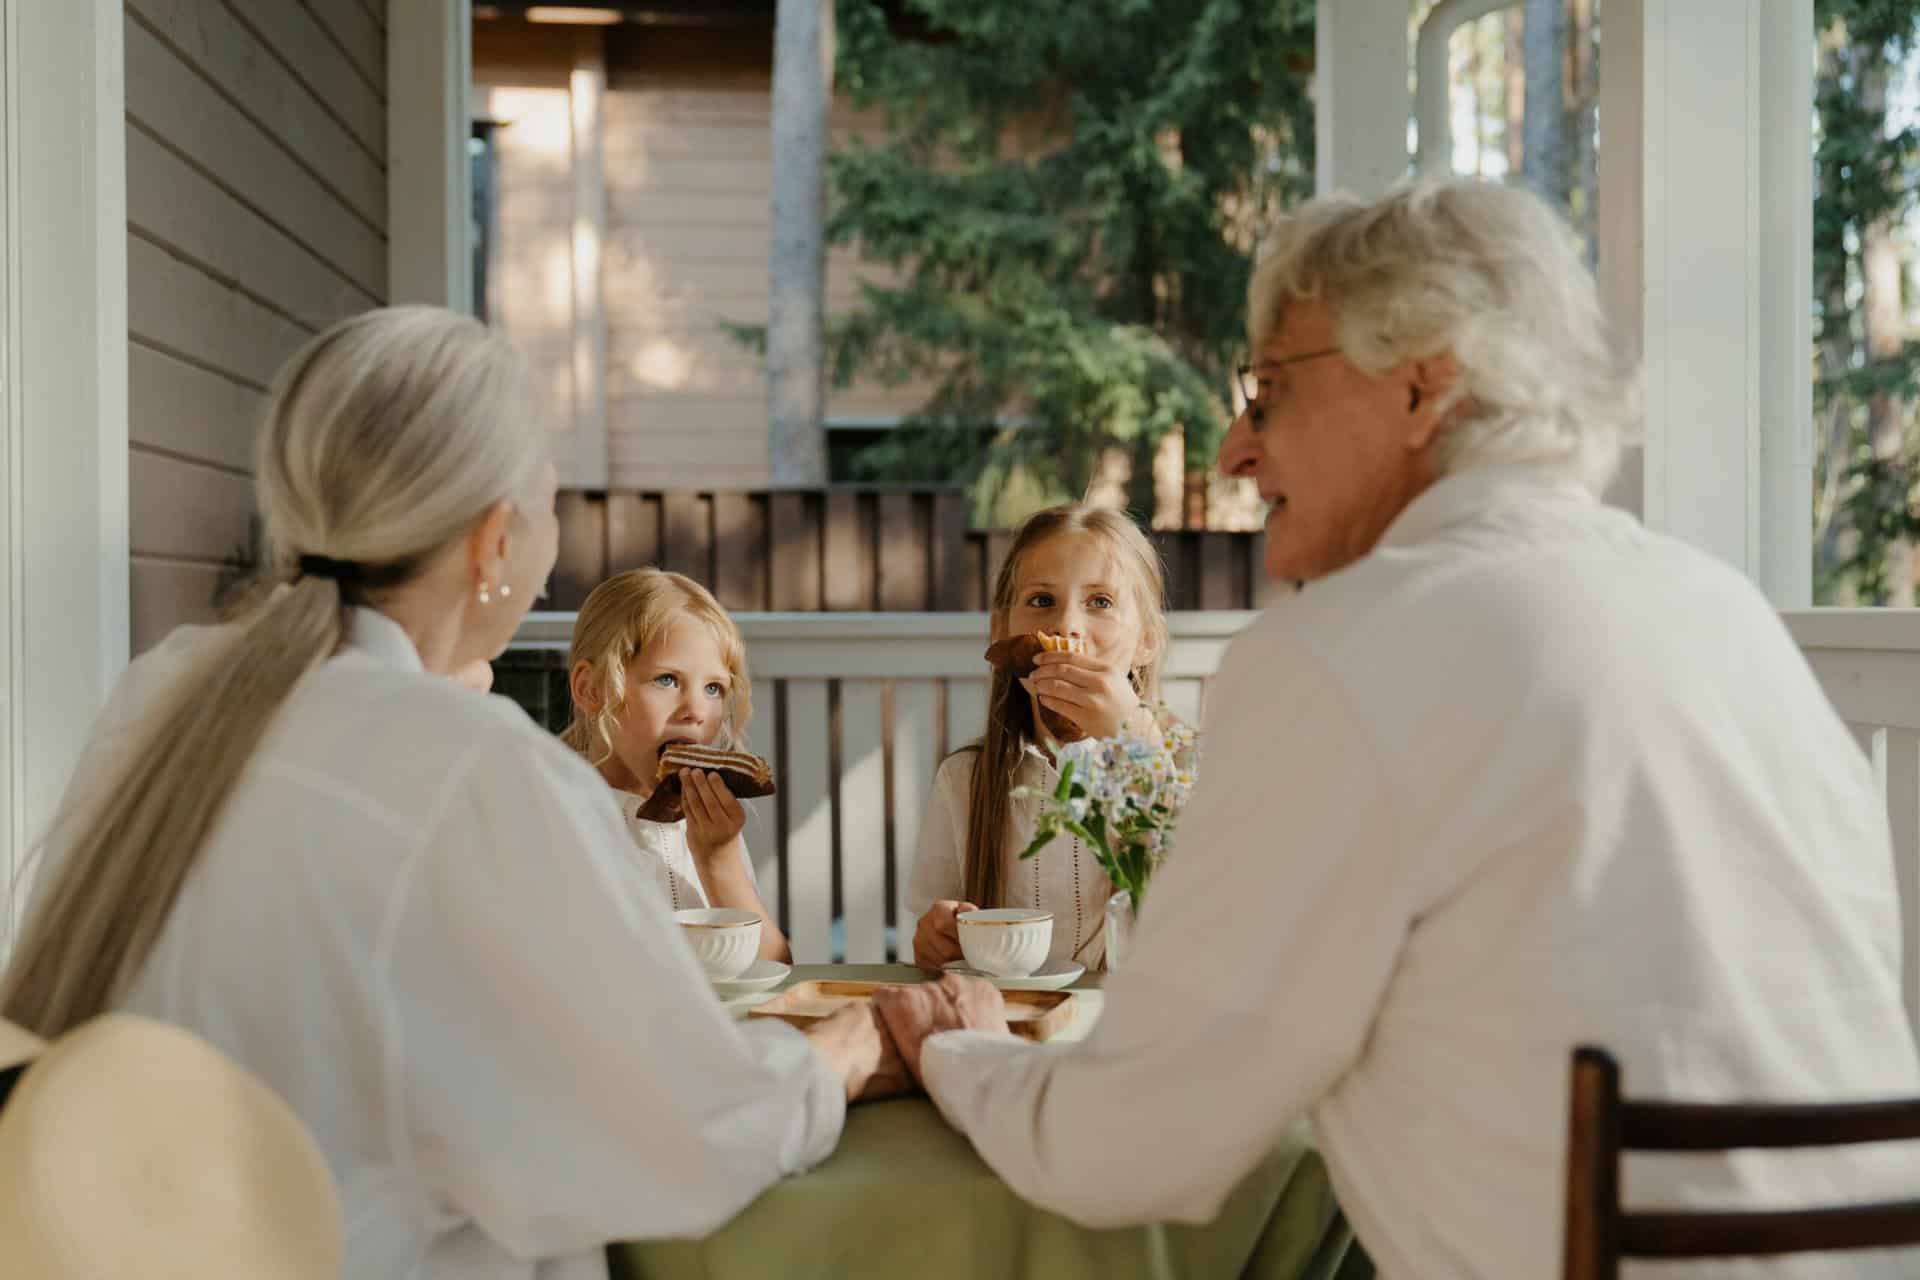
{"x":385,"y":439}
{"x":1010,"y":726}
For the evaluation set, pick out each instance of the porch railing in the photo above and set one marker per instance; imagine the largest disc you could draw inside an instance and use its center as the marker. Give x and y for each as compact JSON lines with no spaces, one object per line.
{"x":883,"y":550}
{"x":1868,"y":661}
{"x":856,"y":711}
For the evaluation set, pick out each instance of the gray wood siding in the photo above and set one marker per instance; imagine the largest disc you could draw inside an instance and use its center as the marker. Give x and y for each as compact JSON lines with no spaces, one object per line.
{"x":256,"y":216}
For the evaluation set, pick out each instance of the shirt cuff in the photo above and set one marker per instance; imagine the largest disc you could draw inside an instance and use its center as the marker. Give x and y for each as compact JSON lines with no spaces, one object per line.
{"x":954,"y":1063}
{"x":823,"y":1114}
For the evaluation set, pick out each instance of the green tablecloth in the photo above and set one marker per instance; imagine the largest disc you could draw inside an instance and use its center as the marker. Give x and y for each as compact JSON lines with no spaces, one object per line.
{"x":905,"y":1196}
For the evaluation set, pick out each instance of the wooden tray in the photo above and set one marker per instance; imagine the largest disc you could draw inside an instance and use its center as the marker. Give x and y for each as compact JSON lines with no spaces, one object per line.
{"x":1032,"y":1015}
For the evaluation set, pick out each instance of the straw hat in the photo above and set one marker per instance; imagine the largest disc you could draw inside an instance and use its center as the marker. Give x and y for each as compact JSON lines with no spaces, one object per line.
{"x":132,"y":1148}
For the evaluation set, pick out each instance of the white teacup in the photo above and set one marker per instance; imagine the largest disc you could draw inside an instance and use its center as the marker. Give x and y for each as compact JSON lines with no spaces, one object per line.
{"x":725,"y":941}
{"x":1007,"y":942}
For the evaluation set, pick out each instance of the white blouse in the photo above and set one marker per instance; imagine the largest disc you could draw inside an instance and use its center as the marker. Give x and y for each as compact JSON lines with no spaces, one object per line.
{"x":1064,"y":877}
{"x":421,"y":921}
{"x":1528,"y":776}
{"x":664,"y":854}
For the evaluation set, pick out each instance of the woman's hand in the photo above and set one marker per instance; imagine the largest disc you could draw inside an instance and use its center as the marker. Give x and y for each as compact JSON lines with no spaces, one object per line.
{"x":1100,"y":699}
{"x":955,"y":1003}
{"x":714,"y":818}
{"x":855,"y":1045}
{"x":936,"y":939}
{"x":476,"y":675}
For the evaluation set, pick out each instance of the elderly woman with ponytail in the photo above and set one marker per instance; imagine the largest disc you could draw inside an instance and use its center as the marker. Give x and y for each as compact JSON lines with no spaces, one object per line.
{"x":404,"y":906}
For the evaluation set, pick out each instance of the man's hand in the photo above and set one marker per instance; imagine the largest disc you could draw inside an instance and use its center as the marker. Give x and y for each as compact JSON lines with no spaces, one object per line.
{"x":855,"y":1045}
{"x":936,"y":939}
{"x":955,"y":1003}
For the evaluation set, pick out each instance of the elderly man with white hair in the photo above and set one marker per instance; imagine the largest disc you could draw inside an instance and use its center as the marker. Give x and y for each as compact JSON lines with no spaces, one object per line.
{"x":1510,"y":774}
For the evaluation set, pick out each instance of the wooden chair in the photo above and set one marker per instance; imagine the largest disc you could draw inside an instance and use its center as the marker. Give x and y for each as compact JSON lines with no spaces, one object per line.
{"x":1600,"y":1234}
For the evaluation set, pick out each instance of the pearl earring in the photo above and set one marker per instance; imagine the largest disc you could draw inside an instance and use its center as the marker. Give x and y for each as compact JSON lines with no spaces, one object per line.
{"x":486,"y":597}
{"x":505,"y":591}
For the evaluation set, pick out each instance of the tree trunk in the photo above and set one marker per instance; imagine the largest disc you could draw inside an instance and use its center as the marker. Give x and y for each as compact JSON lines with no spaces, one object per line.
{"x":1545,"y":39}
{"x":1834,"y":535}
{"x":1586,"y":107}
{"x":1515,"y":28}
{"x":796,"y":322}
{"x":1880,"y":273}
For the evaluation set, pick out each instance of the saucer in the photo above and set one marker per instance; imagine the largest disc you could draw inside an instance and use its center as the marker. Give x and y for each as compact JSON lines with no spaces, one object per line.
{"x":762,"y":975}
{"x":1048,"y":977}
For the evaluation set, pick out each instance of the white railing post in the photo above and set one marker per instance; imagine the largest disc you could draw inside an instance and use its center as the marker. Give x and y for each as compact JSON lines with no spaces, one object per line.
{"x":1361,"y":101}
{"x":1708,"y":108}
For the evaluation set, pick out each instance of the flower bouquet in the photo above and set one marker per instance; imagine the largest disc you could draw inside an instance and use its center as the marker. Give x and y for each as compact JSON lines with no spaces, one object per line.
{"x":1121,"y":796}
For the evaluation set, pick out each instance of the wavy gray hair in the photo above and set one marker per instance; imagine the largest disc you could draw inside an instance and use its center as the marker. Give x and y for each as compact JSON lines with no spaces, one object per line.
{"x":1486,"y":271}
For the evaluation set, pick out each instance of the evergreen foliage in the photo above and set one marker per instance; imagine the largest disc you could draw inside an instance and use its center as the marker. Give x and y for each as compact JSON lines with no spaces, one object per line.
{"x":1866,"y":516}
{"x":1069,"y":197}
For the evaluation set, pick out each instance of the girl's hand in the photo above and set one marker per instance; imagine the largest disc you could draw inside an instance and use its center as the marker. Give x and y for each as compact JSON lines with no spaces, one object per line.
{"x":714,"y":818}
{"x":1098,"y":698}
{"x":936,"y":939}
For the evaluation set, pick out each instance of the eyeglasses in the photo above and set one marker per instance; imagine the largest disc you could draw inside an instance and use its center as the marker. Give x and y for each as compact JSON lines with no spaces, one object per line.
{"x":1249,"y":381}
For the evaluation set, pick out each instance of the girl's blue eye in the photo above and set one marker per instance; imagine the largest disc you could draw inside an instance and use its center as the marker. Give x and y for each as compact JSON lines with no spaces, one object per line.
{"x":667,"y":680}
{"x":716,"y":690}
{"x":1101,"y":602}
{"x":1040,"y":600}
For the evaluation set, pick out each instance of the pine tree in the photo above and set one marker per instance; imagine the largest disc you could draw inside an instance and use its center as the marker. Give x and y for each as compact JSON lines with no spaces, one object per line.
{"x":1069,"y":197}
{"x":1865,"y":512}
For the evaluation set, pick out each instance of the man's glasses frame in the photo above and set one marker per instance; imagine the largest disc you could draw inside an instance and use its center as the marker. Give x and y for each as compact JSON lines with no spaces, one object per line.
{"x":1249,"y":381}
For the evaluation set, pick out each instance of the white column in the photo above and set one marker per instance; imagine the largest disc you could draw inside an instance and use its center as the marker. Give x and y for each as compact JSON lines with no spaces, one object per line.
{"x":1706,"y":270}
{"x":429,"y":179}
{"x":63,"y":396}
{"x":585,"y":462}
{"x":1361,"y":102}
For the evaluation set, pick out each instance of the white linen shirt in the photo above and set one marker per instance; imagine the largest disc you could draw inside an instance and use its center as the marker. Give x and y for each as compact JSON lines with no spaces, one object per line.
{"x":1528,"y":776}
{"x":420,"y":920}
{"x":664,"y":853}
{"x":1064,"y":877}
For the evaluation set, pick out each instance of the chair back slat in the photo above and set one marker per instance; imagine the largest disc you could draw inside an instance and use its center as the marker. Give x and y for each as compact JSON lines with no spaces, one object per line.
{"x":1592,"y":1247}
{"x":1602,"y":1125}
{"x":1722,"y":1235}
{"x":1669,"y":1126}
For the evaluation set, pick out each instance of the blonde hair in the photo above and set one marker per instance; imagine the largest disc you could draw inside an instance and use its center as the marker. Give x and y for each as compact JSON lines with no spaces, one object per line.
{"x":1010,"y":711}
{"x":1488,"y":272}
{"x":625,"y":614}
{"x":385,"y":439}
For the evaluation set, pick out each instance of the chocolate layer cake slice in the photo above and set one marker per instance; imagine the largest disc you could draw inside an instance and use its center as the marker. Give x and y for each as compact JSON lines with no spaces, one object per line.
{"x":746,"y":776}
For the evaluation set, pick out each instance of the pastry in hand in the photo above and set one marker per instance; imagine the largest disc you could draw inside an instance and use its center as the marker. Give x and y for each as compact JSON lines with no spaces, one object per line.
{"x":1016,"y":655}
{"x":748,"y":777}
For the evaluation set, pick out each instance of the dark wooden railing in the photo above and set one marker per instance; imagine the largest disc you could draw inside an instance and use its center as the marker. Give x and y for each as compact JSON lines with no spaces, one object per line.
{"x":855,"y":549}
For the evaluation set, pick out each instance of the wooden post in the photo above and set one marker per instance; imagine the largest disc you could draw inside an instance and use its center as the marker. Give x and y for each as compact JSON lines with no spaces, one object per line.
{"x":1708,"y":105}
{"x":1360,"y":90}
{"x":796,"y":356}
{"x":585,"y":463}
{"x":429,"y":180}
{"x":64,"y":607}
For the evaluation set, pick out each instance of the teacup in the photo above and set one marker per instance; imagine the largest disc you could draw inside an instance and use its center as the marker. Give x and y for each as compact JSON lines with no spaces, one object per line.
{"x":1007,"y":942}
{"x":725,"y":941}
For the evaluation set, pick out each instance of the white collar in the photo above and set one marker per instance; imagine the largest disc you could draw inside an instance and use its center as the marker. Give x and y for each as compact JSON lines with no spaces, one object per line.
{"x":381,"y":638}
{"x":1455,"y":498}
